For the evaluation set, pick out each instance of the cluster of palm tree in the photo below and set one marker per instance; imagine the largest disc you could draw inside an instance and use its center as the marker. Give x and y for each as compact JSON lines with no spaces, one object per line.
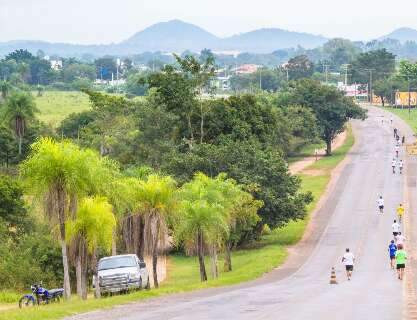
{"x":94,"y":207}
{"x":18,"y":109}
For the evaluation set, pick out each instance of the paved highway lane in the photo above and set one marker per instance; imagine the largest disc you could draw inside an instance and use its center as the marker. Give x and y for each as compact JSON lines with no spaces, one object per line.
{"x":354,"y":222}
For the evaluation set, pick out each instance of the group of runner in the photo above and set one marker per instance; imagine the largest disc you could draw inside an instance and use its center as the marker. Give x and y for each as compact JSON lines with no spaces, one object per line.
{"x":397,"y":254}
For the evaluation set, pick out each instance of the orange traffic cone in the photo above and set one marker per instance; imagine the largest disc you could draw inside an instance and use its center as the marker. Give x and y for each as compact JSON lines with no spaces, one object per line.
{"x":333,"y":277}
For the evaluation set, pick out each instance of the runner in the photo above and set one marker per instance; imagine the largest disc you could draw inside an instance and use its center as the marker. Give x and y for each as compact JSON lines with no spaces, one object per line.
{"x":401,"y":257}
{"x":391,"y":120}
{"x":392,"y":249}
{"x":397,"y":150}
{"x":400,"y":212}
{"x":381,"y":204}
{"x":395,"y":228}
{"x":393,"y":164}
{"x":399,"y":239}
{"x":348,"y":260}
{"x":403,"y":140}
{"x":395,"y":132}
{"x":401,"y":165}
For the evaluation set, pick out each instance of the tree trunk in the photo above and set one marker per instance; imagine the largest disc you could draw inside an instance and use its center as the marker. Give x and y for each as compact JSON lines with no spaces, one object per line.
{"x":200,"y":252}
{"x":61,"y":217}
{"x":20,"y":144}
{"x":155,"y":237}
{"x":78,"y":274}
{"x":84,"y":274}
{"x":141,"y":238}
{"x":97,"y":293}
{"x":228,"y":257}
{"x":383,"y":102}
{"x":201,"y":123}
{"x":214,"y":265}
{"x":190,"y":128}
{"x":114,"y":244}
{"x":329,"y":147}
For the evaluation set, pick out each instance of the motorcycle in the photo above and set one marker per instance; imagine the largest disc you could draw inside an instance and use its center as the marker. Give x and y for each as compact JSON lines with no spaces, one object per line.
{"x":40,"y":295}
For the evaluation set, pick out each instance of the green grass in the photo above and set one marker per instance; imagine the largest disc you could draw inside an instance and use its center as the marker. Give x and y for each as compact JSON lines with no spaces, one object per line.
{"x":54,"y":106}
{"x":9,"y":296}
{"x":305,"y":151}
{"x":409,"y":117}
{"x":183,"y":271}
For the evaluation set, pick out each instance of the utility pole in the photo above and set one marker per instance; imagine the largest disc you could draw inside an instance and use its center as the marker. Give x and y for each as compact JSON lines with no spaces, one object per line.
{"x":346,"y":73}
{"x":260,"y":79}
{"x":370,"y":85}
{"x":409,"y":98}
{"x":327,"y":73}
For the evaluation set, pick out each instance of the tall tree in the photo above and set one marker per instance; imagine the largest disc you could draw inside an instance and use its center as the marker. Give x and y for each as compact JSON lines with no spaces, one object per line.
{"x":20,"y":109}
{"x":61,"y":173}
{"x":91,"y":228}
{"x":332,"y":109}
{"x":156,"y":198}
{"x":299,"y":67}
{"x":378,"y":64}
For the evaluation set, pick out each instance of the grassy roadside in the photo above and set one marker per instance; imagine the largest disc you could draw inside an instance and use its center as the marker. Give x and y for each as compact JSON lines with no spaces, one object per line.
{"x":183,"y":271}
{"x":409,"y":117}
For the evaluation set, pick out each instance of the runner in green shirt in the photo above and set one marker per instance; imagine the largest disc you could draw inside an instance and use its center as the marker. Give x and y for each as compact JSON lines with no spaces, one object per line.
{"x":401,"y":257}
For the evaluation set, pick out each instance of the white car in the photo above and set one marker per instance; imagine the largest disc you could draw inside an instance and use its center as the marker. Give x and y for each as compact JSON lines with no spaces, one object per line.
{"x":122,"y":273}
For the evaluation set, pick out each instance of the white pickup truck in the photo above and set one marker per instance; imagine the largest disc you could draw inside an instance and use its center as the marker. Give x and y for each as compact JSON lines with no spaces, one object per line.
{"x":122,"y":273}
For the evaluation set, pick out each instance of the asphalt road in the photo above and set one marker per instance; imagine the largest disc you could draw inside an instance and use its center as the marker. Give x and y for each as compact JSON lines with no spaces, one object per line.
{"x":305,"y":293}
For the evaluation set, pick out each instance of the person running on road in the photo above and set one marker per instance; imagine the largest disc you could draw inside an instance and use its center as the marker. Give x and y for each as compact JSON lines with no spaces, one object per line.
{"x":381,"y":204}
{"x":395,"y":133}
{"x":348,"y":260}
{"x":400,"y":212}
{"x":392,"y":249}
{"x":397,"y":150}
{"x":403,"y":140}
{"x":399,"y":239}
{"x":401,"y":257}
{"x":393,"y":165}
{"x":395,"y":228}
{"x":391,"y":120}
{"x":401,"y":165}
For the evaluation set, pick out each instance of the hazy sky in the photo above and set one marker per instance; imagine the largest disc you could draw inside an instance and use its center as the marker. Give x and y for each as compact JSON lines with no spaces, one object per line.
{"x":105,"y":21}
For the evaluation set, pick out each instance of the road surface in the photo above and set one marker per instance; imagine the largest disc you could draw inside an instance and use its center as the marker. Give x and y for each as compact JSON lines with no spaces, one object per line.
{"x":304,"y":292}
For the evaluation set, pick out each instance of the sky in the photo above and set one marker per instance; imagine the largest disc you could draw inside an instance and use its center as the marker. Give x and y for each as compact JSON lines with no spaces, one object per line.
{"x":107,"y":21}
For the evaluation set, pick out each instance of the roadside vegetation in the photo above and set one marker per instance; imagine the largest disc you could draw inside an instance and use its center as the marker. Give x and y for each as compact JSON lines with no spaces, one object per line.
{"x":126,"y":175}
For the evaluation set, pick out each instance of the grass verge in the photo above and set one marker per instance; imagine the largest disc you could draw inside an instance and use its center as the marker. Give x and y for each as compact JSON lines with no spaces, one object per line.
{"x":183,"y":271}
{"x":409,"y":117}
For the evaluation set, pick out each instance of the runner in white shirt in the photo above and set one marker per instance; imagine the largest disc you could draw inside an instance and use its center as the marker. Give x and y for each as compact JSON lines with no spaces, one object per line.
{"x":393,"y":164}
{"x":397,"y":149}
{"x":395,"y":228}
{"x":399,"y":239}
{"x":381,"y":204}
{"x":348,"y":260}
{"x":400,"y":165}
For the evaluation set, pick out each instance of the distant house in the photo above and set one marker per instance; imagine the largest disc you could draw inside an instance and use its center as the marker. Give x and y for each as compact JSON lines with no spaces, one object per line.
{"x":246,"y":69}
{"x":56,"y":64}
{"x":221,"y":83}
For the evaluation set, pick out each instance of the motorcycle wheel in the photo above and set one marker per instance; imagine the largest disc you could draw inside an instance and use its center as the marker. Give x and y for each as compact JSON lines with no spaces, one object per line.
{"x":26,"y":302}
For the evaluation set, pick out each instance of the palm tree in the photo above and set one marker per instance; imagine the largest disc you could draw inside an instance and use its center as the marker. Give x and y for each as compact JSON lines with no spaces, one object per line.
{"x":61,"y":173}
{"x":92,"y":228}
{"x":156,"y":198}
{"x":204,"y":219}
{"x":20,"y":108}
{"x":4,"y":89}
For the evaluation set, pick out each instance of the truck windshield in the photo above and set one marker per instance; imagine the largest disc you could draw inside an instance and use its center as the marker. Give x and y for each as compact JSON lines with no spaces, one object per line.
{"x":117,"y":262}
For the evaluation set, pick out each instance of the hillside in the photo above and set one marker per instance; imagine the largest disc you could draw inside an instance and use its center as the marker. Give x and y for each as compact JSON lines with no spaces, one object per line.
{"x":176,"y":36}
{"x":402,"y":34}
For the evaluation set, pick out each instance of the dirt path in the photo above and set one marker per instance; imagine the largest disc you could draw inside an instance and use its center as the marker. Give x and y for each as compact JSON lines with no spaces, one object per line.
{"x":299,"y":166}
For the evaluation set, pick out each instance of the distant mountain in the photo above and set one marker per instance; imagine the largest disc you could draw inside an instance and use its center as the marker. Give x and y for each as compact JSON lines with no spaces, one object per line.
{"x":171,"y":36}
{"x":402,"y":34}
{"x":177,"y":36}
{"x":268,"y":40}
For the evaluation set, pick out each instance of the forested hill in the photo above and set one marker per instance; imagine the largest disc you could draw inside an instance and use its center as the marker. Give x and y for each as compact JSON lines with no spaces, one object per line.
{"x":177,"y":36}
